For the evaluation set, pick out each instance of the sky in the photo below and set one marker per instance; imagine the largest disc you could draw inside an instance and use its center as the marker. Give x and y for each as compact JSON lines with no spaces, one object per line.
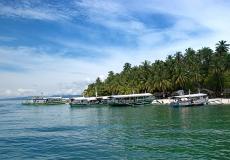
{"x":58,"y":47}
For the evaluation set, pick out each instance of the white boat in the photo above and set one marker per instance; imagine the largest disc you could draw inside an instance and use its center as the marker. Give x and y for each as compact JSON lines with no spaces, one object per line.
{"x":198,"y":99}
{"x":130,"y":99}
{"x":35,"y":100}
{"x":87,"y":101}
{"x":39,"y":100}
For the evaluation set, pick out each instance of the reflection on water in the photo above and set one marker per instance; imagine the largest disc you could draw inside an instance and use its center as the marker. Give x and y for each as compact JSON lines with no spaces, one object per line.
{"x":147,"y":132}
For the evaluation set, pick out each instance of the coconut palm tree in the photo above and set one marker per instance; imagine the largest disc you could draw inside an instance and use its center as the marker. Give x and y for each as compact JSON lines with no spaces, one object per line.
{"x":203,"y":68}
{"x":222,"y":47}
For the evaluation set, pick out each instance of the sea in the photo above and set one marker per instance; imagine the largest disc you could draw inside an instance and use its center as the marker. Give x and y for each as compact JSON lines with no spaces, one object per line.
{"x":122,"y":133}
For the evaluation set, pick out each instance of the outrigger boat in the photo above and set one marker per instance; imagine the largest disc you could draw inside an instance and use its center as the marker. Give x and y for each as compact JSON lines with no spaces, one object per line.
{"x":130,"y":99}
{"x":44,"y":101}
{"x":88,"y":101}
{"x":190,"y":100}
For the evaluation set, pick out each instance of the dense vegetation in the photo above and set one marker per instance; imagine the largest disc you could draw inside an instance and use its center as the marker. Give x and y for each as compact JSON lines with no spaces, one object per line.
{"x":191,"y":70}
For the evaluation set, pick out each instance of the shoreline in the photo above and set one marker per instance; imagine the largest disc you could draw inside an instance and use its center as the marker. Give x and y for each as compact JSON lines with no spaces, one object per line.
{"x":212,"y":101}
{"x":219,"y":101}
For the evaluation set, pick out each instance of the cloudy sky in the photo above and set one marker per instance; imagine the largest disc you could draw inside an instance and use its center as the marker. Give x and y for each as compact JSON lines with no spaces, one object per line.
{"x":58,"y":47}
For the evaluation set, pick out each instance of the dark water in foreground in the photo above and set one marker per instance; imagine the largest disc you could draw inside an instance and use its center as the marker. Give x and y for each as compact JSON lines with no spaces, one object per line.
{"x":150,"y":132}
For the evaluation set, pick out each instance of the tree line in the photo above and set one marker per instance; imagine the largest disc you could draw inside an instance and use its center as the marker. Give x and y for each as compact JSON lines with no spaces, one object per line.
{"x":192,"y":70}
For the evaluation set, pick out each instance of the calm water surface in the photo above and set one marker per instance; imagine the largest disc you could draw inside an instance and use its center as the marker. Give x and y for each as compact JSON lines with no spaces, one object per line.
{"x":150,"y":132}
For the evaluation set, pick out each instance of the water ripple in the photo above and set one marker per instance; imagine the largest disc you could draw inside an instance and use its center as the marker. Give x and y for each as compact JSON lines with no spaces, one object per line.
{"x":59,"y":132}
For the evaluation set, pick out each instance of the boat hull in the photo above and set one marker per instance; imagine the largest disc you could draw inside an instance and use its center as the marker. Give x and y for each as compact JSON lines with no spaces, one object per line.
{"x":86,"y":104}
{"x":37,"y":104}
{"x":130,"y":104}
{"x":189,"y":103}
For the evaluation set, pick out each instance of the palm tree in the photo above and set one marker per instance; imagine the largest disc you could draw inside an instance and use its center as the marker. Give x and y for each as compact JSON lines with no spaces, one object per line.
{"x":222,"y":47}
{"x":145,"y":72}
{"x":219,"y":64}
{"x":180,"y":73}
{"x":180,"y":79}
{"x":202,"y":68}
{"x":127,"y":67}
{"x":161,"y":81}
{"x":192,"y":65}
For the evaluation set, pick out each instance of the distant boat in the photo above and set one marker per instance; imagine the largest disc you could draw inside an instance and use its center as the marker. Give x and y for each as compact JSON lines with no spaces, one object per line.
{"x":130,"y":99}
{"x":88,"y":101}
{"x":39,"y":100}
{"x":190,"y":100}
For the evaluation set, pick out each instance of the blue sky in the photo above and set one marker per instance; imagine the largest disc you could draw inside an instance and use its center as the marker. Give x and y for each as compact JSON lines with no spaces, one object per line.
{"x":58,"y":47}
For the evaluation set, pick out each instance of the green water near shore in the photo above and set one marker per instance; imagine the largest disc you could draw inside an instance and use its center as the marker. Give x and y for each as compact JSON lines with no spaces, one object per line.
{"x":149,"y":132}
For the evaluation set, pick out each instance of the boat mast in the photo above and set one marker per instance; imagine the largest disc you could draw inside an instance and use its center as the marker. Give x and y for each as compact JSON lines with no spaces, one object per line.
{"x":96,"y":91}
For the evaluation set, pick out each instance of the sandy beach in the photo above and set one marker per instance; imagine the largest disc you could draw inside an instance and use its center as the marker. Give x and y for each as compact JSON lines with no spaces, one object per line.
{"x":211,"y":101}
{"x":219,"y":101}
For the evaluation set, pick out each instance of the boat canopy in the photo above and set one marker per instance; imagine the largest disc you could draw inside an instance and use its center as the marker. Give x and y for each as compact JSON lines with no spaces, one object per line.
{"x":91,"y":98}
{"x":131,"y":95}
{"x":54,"y":97}
{"x":104,"y":97}
{"x":38,"y":98}
{"x":65,"y":98}
{"x":191,"y":95}
{"x":79,"y":98}
{"x":85,"y":98}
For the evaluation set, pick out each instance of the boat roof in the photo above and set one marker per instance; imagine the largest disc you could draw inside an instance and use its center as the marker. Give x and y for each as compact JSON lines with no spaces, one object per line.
{"x":131,"y":95}
{"x":191,"y":95}
{"x":41,"y":97}
{"x":79,"y":98}
{"x":91,"y":98}
{"x":65,"y":98}
{"x":103,"y":97}
{"x":85,"y":98}
{"x":38,"y":98}
{"x":54,"y":97}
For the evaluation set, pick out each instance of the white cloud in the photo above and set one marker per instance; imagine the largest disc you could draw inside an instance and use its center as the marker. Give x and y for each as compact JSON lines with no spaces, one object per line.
{"x":111,"y":8}
{"x":46,"y":71}
{"x":194,"y":17}
{"x":38,"y":11}
{"x":25,"y":91}
{"x":17,"y":92}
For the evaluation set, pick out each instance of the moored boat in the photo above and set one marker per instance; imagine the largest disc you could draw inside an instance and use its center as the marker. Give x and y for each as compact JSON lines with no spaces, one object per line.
{"x":39,"y":100}
{"x":55,"y":100}
{"x":88,"y":101}
{"x":131,"y":99}
{"x":190,"y":100}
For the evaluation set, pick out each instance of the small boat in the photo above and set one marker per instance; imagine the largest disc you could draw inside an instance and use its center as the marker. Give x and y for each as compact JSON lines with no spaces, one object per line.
{"x":55,"y":100}
{"x":88,"y":101}
{"x":35,"y":100}
{"x":130,"y":99}
{"x":190,"y":100}
{"x":39,"y":100}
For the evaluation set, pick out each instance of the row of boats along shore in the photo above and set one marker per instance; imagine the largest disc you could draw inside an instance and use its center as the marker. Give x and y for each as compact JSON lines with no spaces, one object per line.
{"x":141,"y":99}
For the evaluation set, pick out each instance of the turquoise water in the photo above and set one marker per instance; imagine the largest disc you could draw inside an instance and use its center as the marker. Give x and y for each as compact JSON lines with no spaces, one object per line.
{"x":150,"y":132}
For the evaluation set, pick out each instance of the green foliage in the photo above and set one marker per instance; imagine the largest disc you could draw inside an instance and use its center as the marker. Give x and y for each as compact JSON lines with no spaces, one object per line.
{"x":192,"y":70}
{"x":227,"y":79}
